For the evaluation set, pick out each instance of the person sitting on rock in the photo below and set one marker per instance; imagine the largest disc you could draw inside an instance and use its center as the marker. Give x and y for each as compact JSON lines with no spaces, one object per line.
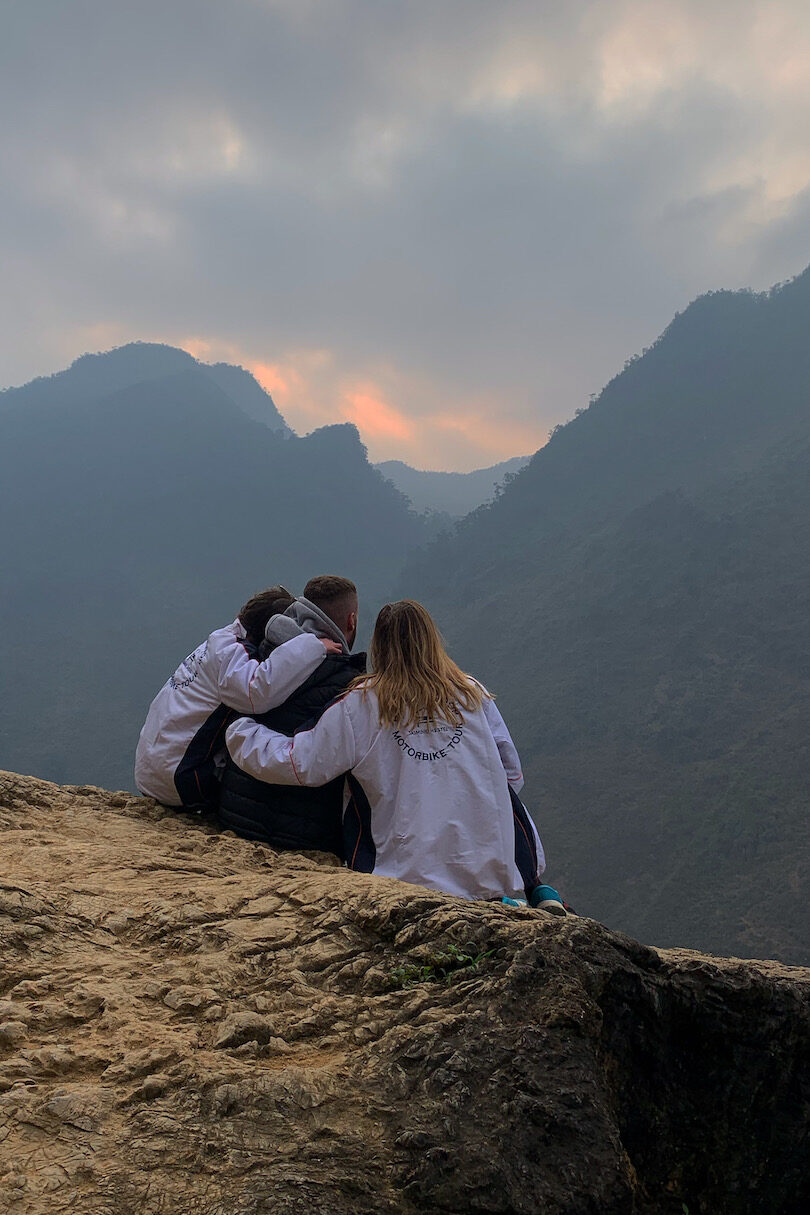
{"x":280,"y":815}
{"x":432,"y":772}
{"x":180,"y":752}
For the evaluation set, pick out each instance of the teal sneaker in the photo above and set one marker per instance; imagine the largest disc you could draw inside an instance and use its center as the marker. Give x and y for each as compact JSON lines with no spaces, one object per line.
{"x":546,"y":898}
{"x":513,"y":902}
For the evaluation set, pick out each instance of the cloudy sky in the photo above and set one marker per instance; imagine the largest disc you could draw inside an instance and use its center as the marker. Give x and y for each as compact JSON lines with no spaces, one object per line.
{"x":448,"y":221}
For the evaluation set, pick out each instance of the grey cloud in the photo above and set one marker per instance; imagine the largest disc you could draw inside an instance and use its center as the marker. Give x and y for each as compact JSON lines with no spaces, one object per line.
{"x":346,"y":176}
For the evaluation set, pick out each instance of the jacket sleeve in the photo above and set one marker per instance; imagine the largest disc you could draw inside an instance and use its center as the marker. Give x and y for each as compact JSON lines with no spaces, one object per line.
{"x":254,"y":687}
{"x":311,"y":757}
{"x":503,"y":741}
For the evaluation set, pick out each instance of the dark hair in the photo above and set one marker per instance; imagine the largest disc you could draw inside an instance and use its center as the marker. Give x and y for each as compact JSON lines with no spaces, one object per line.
{"x":258,"y":610}
{"x":335,"y":596}
{"x":325,"y":590}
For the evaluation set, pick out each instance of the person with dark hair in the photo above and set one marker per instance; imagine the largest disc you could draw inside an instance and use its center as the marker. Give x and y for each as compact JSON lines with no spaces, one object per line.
{"x":180,"y":752}
{"x":337,"y":598}
{"x":432,"y":773}
{"x":296,"y":818}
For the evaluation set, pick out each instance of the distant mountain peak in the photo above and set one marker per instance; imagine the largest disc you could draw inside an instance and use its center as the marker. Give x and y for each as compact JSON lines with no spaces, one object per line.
{"x":149,"y":355}
{"x":103,"y":373}
{"x":451,"y":493}
{"x":343,"y":437}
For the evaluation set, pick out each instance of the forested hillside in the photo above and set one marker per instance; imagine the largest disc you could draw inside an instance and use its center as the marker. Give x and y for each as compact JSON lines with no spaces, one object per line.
{"x":639,"y":597}
{"x":141,"y":507}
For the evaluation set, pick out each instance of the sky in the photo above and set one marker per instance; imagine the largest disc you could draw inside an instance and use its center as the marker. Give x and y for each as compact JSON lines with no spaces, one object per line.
{"x":447,"y":221}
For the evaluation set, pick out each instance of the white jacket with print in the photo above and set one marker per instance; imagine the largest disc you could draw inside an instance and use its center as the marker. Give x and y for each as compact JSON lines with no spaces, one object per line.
{"x":182,"y":739}
{"x":426,"y":805}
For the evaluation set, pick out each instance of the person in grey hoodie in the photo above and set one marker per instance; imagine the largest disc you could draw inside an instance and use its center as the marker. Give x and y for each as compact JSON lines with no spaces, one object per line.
{"x":280,"y":815}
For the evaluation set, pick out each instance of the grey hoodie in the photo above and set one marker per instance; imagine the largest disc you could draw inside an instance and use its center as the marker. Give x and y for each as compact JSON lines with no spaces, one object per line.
{"x":302,"y":616}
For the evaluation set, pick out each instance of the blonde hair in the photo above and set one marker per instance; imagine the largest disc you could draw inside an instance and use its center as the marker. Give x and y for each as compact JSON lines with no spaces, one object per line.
{"x":413,"y":676}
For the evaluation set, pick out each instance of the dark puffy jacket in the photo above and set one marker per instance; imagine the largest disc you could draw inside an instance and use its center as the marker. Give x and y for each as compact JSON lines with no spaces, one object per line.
{"x":285,"y":816}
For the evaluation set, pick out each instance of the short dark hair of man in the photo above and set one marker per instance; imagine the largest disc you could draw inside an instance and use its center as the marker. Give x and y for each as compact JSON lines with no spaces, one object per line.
{"x":332,"y":594}
{"x":258,"y":610}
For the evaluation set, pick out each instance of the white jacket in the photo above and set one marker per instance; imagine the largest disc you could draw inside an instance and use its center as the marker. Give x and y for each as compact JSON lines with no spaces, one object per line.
{"x":182,"y":741}
{"x":430,"y":806}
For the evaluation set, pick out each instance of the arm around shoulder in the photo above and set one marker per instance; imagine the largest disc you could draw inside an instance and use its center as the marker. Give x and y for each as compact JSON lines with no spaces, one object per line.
{"x":260,"y":752}
{"x":311,"y":757}
{"x":254,"y":687}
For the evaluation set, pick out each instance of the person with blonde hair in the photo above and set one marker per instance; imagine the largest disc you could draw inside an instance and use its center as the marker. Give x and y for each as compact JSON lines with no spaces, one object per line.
{"x":432,"y":774}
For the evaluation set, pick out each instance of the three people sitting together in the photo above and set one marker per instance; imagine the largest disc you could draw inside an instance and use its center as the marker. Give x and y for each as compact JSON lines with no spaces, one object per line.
{"x":407,"y":771}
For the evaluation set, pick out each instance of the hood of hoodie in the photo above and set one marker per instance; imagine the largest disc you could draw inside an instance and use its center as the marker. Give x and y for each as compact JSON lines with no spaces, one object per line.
{"x":302,"y":616}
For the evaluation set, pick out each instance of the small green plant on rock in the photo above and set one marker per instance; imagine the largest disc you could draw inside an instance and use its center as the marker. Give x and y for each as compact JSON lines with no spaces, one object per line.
{"x":440,"y":967}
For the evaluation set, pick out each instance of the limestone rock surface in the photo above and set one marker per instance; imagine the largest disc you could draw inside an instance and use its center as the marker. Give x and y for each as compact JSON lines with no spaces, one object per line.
{"x":191,"y":1023}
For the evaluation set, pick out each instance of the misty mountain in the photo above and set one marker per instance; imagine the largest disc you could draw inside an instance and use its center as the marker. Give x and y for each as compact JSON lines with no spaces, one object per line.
{"x":639,"y":598}
{"x":93,"y":376}
{"x":451,"y":493}
{"x":139,"y":513}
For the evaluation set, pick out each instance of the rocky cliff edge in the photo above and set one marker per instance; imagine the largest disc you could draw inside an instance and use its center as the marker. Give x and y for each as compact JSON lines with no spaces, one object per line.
{"x":193,"y":1023}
